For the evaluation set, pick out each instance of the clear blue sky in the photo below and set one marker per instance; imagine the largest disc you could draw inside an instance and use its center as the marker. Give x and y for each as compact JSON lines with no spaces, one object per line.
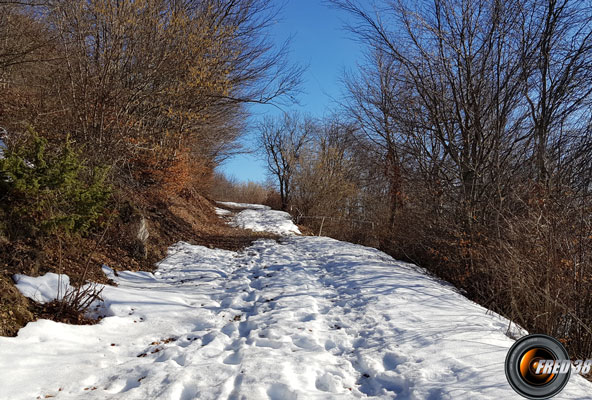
{"x":320,"y":42}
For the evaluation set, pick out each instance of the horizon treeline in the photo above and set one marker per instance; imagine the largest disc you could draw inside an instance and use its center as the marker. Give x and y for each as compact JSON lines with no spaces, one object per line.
{"x":463,"y":144}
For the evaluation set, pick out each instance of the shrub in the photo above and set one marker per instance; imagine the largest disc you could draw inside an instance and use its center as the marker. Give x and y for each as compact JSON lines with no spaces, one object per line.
{"x":229,"y":189}
{"x":72,"y":307}
{"x":49,"y":190}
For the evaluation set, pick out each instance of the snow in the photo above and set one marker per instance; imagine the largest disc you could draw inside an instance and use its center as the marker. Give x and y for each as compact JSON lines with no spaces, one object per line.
{"x":299,"y":318}
{"x":230,"y":204}
{"x":222,"y":212}
{"x":259,"y":218}
{"x":43,"y":289}
{"x":278,"y":222}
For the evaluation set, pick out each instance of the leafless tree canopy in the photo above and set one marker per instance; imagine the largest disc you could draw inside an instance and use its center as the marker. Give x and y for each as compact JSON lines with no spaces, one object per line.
{"x":282,"y":141}
{"x":146,"y":84}
{"x":468,"y":131}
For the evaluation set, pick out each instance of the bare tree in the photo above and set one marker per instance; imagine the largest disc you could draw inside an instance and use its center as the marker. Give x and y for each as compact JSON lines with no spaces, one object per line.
{"x":324,"y":184}
{"x":281,"y":142}
{"x":376,"y":101}
{"x":22,"y":38}
{"x":448,"y":86}
{"x":556,"y":55}
{"x":485,"y":107}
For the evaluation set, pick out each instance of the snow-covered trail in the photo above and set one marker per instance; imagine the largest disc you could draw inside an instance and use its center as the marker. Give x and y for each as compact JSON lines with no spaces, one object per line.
{"x":300,"y":318}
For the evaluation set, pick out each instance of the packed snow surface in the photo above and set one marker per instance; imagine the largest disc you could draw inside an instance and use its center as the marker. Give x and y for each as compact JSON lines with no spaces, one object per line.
{"x":260,"y":218}
{"x":277,"y":222}
{"x":298,"y":318}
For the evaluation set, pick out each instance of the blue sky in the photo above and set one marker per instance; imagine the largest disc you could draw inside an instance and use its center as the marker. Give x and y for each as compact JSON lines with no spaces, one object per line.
{"x":320,"y":42}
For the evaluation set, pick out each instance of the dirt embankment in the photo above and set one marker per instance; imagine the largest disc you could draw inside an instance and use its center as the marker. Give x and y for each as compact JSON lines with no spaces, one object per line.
{"x":136,"y":238}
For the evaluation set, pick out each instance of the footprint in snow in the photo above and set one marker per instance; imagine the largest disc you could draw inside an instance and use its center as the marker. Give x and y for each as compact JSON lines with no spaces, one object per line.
{"x":393,"y":360}
{"x":279,"y":391}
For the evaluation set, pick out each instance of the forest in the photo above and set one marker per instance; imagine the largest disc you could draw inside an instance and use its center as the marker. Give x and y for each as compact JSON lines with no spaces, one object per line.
{"x":462,"y":143}
{"x":114,"y":115}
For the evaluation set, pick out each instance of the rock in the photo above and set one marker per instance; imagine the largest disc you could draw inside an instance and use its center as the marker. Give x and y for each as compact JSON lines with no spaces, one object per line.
{"x":140,"y":228}
{"x":136,"y":231}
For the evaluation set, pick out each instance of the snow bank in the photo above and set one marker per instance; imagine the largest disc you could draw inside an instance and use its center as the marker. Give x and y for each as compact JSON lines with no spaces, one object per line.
{"x":43,"y":289}
{"x":278,"y":222}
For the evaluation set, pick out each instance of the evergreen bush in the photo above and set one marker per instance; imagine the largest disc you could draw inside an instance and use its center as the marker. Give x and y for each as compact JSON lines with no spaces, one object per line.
{"x":47,"y":190}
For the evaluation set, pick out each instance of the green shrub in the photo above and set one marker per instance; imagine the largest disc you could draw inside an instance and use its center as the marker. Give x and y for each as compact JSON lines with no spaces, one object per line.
{"x":48,"y":190}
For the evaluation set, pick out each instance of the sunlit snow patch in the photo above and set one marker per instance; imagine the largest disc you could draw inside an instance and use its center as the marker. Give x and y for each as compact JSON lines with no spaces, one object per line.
{"x":301,"y":318}
{"x":43,"y":289}
{"x":277,"y":222}
{"x":231,"y":204}
{"x":222,"y":212}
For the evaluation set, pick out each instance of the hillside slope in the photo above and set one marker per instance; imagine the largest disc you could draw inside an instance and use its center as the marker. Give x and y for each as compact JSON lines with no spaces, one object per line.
{"x":298,"y":318}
